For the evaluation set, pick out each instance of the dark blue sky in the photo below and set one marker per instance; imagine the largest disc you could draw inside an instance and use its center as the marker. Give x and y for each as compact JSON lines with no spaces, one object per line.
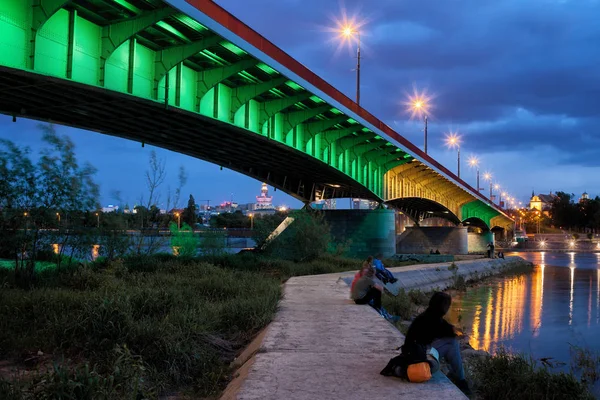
{"x":519,"y":80}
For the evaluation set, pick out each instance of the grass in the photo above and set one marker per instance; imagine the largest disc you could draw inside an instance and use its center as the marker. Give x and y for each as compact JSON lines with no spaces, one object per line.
{"x":131,"y":328}
{"x":140,"y":327}
{"x":514,"y":376}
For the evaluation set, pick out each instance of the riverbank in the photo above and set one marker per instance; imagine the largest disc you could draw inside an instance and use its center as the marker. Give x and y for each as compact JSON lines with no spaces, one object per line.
{"x":138,"y":327}
{"x":322,"y":345}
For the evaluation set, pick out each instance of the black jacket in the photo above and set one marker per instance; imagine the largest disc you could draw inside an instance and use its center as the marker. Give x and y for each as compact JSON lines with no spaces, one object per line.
{"x":430,"y":324}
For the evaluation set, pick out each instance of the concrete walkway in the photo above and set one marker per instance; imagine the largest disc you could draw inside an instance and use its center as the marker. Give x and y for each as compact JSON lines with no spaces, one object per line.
{"x":323,"y":346}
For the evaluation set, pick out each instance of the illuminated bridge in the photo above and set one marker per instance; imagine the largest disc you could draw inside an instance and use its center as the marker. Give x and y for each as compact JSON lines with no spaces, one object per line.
{"x":189,"y":77}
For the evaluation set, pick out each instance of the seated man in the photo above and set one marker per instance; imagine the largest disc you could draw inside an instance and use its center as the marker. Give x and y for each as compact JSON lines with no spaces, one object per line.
{"x":432,"y":330}
{"x":365,"y":290}
{"x":381,"y":272}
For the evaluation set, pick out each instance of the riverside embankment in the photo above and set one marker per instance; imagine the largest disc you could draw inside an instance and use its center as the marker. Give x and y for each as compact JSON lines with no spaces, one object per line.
{"x":322,"y":345}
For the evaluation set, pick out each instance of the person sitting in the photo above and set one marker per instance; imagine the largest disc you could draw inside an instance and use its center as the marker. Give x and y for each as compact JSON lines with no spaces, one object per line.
{"x":437,"y":251}
{"x":365,"y":290}
{"x":501,"y":255}
{"x":383,"y":274}
{"x":431,"y":251}
{"x":358,"y":275}
{"x":432,"y":330}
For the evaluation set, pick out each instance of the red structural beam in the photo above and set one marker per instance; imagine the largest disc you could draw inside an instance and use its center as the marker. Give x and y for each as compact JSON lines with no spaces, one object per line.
{"x":233,"y":24}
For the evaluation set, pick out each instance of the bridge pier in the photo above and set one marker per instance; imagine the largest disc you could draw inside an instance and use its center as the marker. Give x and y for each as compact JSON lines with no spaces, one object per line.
{"x":363,"y":232}
{"x":423,"y":239}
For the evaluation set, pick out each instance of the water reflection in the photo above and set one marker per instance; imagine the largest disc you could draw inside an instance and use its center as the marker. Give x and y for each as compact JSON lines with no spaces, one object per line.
{"x":539,"y":313}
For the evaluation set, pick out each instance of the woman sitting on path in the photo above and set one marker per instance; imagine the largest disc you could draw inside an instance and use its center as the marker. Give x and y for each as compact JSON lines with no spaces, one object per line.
{"x":432,"y":330}
{"x":365,"y":289}
{"x":359,"y":275}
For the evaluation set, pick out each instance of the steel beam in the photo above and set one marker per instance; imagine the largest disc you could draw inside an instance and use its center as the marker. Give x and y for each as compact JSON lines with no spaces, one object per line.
{"x":272,"y":107}
{"x":243,"y":94}
{"x":208,"y":79}
{"x":116,"y":34}
{"x":170,"y":57}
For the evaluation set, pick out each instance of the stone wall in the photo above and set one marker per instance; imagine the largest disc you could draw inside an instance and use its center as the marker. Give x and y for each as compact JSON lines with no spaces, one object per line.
{"x":439,"y":276}
{"x":421,"y":240}
{"x":363,"y":232}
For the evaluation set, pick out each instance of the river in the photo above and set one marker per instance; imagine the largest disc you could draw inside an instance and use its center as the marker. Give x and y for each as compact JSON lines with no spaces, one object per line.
{"x":540,"y":313}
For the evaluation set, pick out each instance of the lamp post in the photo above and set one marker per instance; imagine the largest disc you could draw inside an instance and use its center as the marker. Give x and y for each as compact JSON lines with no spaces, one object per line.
{"x":178,"y":215}
{"x":496,"y":188}
{"x":97,"y":220}
{"x":488,"y":177}
{"x":503,"y":194}
{"x":251,"y":221}
{"x":349,"y":32}
{"x":453,"y":140}
{"x":474,"y":163}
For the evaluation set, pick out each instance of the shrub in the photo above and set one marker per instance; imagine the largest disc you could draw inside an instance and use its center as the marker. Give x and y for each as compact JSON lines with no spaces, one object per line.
{"x":527,"y":380}
{"x":307,"y":238}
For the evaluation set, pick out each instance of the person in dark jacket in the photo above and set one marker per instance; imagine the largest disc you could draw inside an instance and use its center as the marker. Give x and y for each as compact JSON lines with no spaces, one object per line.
{"x":431,"y":329}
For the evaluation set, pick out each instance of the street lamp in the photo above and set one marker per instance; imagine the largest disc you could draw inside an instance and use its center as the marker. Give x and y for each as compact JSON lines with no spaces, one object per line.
{"x":251,"y":221}
{"x":474,"y":163}
{"x":497,"y":188}
{"x":420,"y":106}
{"x":348,"y":32}
{"x":178,"y":215}
{"x":58,"y":217}
{"x":98,"y":220}
{"x":453,"y":140}
{"x":488,"y":177}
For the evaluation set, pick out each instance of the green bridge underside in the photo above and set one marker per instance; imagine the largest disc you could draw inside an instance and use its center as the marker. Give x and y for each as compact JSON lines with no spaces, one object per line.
{"x":141,"y":70}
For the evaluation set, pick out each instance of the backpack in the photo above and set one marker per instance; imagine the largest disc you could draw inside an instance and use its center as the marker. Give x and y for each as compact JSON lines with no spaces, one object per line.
{"x":412,"y":364}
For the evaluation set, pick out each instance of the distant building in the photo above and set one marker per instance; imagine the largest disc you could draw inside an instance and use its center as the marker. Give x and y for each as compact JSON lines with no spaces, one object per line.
{"x":584,"y":197}
{"x":362,"y":204}
{"x":264,"y":201}
{"x":110,"y":208}
{"x":541,"y":202}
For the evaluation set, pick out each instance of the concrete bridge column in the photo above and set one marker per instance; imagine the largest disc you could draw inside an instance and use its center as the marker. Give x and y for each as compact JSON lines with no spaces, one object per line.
{"x":423,"y":239}
{"x":478,"y":241}
{"x":363,"y":232}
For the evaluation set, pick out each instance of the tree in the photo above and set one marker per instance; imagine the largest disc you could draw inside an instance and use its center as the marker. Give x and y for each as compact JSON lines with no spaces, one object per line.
{"x":31,"y":196}
{"x":189,"y":213}
{"x":308,"y":237}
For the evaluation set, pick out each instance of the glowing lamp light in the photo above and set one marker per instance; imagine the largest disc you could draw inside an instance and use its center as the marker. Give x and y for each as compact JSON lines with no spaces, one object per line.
{"x":572,"y":243}
{"x":453,"y":140}
{"x":473,"y":161}
{"x":543,"y":243}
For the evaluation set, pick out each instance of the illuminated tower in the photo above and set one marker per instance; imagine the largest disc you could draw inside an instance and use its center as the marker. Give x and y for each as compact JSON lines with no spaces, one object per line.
{"x":264,"y":201}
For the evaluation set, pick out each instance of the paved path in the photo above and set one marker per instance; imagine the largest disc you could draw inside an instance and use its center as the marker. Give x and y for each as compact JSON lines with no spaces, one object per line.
{"x":323,"y":346}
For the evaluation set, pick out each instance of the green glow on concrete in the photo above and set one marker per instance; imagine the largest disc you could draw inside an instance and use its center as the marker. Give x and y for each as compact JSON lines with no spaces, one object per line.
{"x":266,"y":69}
{"x":172,"y":30}
{"x":294,"y":86}
{"x":250,"y":78}
{"x":188,"y":88}
{"x":14,"y":30}
{"x":213,"y":57}
{"x":116,"y":69}
{"x":224,"y":103}
{"x":207,"y":104}
{"x":317,"y":100}
{"x":336,"y":111}
{"x":86,"y":52}
{"x":232,"y":48}
{"x":128,"y":6}
{"x":51,"y":45}
{"x":143,"y":76}
{"x":191,"y":23}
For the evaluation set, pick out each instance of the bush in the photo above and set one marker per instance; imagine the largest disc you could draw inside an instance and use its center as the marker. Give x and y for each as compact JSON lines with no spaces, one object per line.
{"x":307,"y":238}
{"x":526,"y":380}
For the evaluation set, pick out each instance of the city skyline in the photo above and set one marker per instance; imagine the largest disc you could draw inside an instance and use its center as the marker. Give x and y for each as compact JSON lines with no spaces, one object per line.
{"x":514,"y":116}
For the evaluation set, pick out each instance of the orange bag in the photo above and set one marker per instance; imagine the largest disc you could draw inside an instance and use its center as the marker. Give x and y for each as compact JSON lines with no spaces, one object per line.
{"x":419,"y":372}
